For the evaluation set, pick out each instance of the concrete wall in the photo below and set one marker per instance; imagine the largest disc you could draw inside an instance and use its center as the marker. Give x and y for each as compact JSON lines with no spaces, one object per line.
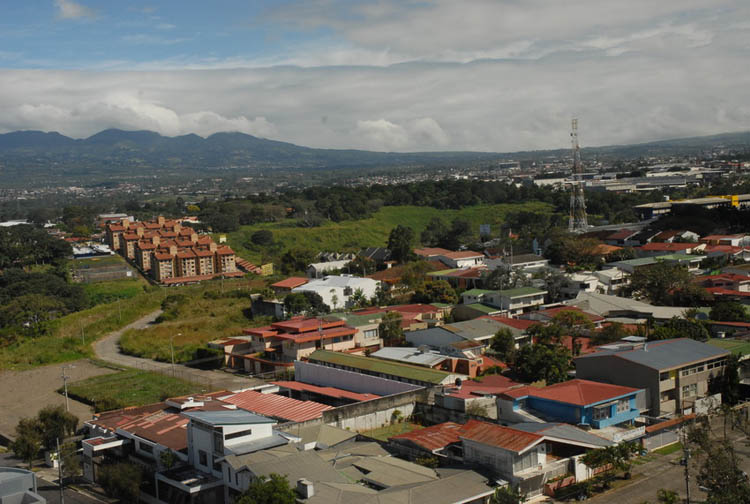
{"x":372,"y":414}
{"x":612,"y":369}
{"x":325,"y":376}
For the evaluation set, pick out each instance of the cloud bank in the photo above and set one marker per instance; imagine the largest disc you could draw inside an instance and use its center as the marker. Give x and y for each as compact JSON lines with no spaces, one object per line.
{"x":411,"y":75}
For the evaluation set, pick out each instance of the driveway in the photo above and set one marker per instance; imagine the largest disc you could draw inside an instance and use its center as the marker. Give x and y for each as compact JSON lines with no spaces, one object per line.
{"x":108,"y":349}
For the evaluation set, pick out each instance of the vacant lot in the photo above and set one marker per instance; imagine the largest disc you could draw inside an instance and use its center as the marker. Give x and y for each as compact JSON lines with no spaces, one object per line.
{"x":738,"y":347}
{"x":129,"y":388}
{"x":24,"y":393}
{"x":372,"y":232}
{"x":383,"y":433}
{"x":200,"y":314}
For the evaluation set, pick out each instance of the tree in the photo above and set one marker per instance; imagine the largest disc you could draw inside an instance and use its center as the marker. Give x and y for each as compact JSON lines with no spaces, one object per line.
{"x":476,"y":409}
{"x":658,"y":282}
{"x":459,"y":233}
{"x":357,"y":299}
{"x":613,"y":331}
{"x":728,"y":382}
{"x":401,"y":243}
{"x":615,"y":458}
{"x":71,"y":462}
{"x":296,"y":260}
{"x":262,"y":237}
{"x":507,"y":495}
{"x":390,"y":329}
{"x":435,"y":291}
{"x":306,"y":302}
{"x":167,"y":458}
{"x":273,"y":489}
{"x":362,"y":265}
{"x":121,"y":481}
{"x":334,"y":298}
{"x":680,"y":328}
{"x":28,"y":441}
{"x":666,"y":496}
{"x":728,"y":311}
{"x":504,"y":345}
{"x":56,"y":423}
{"x":548,"y":362}
{"x":434,"y":233}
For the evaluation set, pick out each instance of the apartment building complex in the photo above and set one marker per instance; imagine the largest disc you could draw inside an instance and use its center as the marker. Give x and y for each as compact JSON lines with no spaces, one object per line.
{"x":170,"y":252}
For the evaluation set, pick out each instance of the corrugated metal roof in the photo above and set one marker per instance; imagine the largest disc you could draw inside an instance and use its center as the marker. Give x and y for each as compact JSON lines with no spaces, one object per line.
{"x":277,"y":406}
{"x":410,"y":355}
{"x":565,"y":432}
{"x":227,"y":417}
{"x":434,"y":437}
{"x":502,"y":437}
{"x":580,"y":392}
{"x":380,"y":366}
{"x":665,"y":354}
{"x":326,"y":391}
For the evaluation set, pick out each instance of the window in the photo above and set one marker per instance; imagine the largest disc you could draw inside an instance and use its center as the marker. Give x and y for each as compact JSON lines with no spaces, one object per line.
{"x":202,"y":458}
{"x":146,"y":448}
{"x":235,"y":435}
{"x":218,"y":442}
{"x":602,"y":412}
{"x":664,"y":376}
{"x":371,"y":333}
{"x":668,"y":395}
{"x":690,"y":390}
{"x":623,"y":405}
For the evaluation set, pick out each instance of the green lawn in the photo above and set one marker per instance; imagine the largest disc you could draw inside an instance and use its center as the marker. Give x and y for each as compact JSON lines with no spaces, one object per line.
{"x":70,"y":337}
{"x":106,"y":292}
{"x":204,"y":315}
{"x":371,"y":232}
{"x":734,"y":346}
{"x":129,"y":388}
{"x":669,"y":449}
{"x":383,"y":433}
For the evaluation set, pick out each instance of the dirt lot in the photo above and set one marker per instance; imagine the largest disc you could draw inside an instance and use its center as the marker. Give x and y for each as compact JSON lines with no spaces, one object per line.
{"x":24,"y":393}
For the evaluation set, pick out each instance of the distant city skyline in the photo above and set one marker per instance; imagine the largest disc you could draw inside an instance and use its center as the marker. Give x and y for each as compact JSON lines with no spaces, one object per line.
{"x":486,"y":75}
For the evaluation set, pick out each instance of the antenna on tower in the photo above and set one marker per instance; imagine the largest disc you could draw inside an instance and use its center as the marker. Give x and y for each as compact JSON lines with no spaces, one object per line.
{"x":578,"y":221}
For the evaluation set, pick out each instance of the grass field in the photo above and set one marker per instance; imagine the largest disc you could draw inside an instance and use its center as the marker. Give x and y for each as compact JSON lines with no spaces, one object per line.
{"x":383,"y":433}
{"x":669,"y":449}
{"x":106,"y":292}
{"x":371,"y":232}
{"x":70,"y":337}
{"x":203,"y":316}
{"x":734,"y":346}
{"x":129,"y":388}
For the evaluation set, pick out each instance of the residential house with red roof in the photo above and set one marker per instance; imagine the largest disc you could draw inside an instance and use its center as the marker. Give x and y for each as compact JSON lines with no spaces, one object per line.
{"x":577,"y":402}
{"x":661,"y":248}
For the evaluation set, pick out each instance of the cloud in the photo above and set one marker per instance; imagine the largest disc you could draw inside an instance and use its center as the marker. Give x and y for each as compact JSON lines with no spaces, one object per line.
{"x":67,"y":9}
{"x":382,"y":134}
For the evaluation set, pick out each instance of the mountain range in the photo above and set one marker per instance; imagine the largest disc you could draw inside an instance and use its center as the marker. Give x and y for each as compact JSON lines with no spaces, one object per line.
{"x":117,"y":150}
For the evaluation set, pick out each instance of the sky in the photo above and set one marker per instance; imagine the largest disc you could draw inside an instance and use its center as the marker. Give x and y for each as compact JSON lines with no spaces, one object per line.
{"x":387,"y":75}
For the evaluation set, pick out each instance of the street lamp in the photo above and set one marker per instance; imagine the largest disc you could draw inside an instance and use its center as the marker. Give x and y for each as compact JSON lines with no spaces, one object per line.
{"x":171,"y":347}
{"x":65,"y":384}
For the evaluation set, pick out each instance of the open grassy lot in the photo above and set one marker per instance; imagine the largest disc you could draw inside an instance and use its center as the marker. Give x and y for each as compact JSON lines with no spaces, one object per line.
{"x":371,"y":232}
{"x":70,"y":337}
{"x":129,"y":388}
{"x":106,"y":292}
{"x":383,"y":433}
{"x":203,"y":313}
{"x":734,"y":346}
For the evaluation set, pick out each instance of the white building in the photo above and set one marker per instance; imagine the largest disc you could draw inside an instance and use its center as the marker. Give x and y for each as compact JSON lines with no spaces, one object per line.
{"x":339,"y":289}
{"x":579,"y":282}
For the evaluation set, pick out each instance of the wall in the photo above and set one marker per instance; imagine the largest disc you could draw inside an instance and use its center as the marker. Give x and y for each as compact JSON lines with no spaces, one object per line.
{"x":612,"y":369}
{"x":325,"y":376}
{"x":372,"y":414}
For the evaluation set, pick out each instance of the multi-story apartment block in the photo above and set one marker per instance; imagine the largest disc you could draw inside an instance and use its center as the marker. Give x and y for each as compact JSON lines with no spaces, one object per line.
{"x":169,"y":252}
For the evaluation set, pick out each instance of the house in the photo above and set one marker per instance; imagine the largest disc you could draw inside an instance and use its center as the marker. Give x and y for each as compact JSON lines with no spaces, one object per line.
{"x":316,"y":270}
{"x":733,"y":253}
{"x":525,"y":262}
{"x":18,"y":486}
{"x":278,"y":345}
{"x":729,"y":281}
{"x":579,"y":282}
{"x":577,"y":402}
{"x":611,"y":280}
{"x":337,"y":290}
{"x":278,"y":407}
{"x":663,"y":248}
{"x":621,"y":238}
{"x":482,"y":392}
{"x":379,"y":255}
{"x":284,"y":287}
{"x":675,"y":373}
{"x":529,"y":456}
{"x":461,"y":278}
{"x":671,"y":236}
{"x":462,"y":259}
{"x":517,"y":327}
{"x":735,"y":240}
{"x":397,"y":371}
{"x":625,"y":310}
{"x":691,"y":262}
{"x":468,"y":362}
{"x":510,"y":301}
{"x":549,"y":314}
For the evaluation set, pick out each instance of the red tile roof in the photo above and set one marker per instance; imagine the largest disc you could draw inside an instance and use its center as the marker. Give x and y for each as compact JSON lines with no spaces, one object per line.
{"x":334,"y":392}
{"x":669,"y":423}
{"x":491,"y":384}
{"x":721,"y":291}
{"x":277,"y":406}
{"x":290,"y":283}
{"x":621,"y":235}
{"x":499,"y":436}
{"x":224,"y":250}
{"x":305,"y":337}
{"x":668,"y":247}
{"x":551,"y":312}
{"x":578,"y":392}
{"x":431,"y":251}
{"x":434,"y":437}
{"x":163,"y":256}
{"x":465,"y":254}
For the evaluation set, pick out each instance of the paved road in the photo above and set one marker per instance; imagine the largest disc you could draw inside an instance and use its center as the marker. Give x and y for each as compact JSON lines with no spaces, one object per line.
{"x":667,"y":473}
{"x":108,"y":349}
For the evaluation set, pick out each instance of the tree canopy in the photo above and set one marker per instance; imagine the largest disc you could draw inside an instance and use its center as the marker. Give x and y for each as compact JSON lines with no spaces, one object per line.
{"x":273,"y":489}
{"x":401,"y":243}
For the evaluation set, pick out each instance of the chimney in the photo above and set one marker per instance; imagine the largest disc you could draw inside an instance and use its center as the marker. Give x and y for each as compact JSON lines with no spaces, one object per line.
{"x":305,"y":488}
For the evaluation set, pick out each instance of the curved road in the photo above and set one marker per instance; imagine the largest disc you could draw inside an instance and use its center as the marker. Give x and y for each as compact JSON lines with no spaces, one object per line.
{"x":108,"y":349}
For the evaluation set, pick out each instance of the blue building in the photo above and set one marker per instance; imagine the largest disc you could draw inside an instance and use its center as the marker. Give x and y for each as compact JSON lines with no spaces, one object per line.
{"x":575,"y":402}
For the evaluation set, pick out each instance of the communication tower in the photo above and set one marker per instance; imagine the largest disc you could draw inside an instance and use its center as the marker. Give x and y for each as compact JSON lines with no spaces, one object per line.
{"x":578,"y":221}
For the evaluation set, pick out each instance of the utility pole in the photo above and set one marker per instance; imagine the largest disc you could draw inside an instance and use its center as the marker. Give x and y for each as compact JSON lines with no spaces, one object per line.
{"x":686,"y":456}
{"x":65,"y":385}
{"x":59,"y":471}
{"x":171,"y":347}
{"x":83,"y":337}
{"x":119,"y":310}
